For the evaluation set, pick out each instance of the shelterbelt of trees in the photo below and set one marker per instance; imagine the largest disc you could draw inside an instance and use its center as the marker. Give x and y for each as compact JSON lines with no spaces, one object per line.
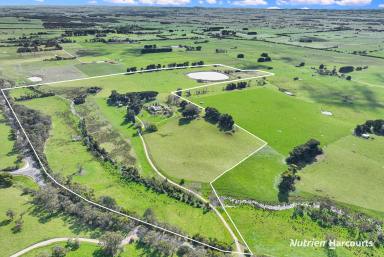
{"x":301,"y":156}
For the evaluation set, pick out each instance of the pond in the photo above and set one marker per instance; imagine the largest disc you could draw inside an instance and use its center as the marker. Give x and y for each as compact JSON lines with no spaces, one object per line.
{"x":208,"y":76}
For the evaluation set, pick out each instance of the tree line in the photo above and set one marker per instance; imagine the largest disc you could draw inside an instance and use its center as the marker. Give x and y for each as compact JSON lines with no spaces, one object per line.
{"x":301,"y":156}
{"x":36,"y":93}
{"x":239,"y":85}
{"x":170,"y":65}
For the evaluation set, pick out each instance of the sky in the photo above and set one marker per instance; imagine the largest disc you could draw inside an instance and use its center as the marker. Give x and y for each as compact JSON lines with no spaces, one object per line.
{"x":267,"y":4}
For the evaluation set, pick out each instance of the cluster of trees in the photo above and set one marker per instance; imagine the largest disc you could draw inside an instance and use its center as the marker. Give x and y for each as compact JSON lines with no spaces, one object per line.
{"x":162,"y":187}
{"x":191,"y":48}
{"x":212,"y":241}
{"x":240,"y":56}
{"x":80,"y":99}
{"x":304,"y":154}
{"x":6,"y":180}
{"x":239,"y":85}
{"x":326,"y":216}
{"x":35,"y":124}
{"x":35,"y":94}
{"x":133,"y":100}
{"x":59,"y":251}
{"x":153,"y":49}
{"x":36,"y":45}
{"x":370,"y":126}
{"x":165,"y":245}
{"x":322,"y":70}
{"x":11,"y":214}
{"x":51,"y":201}
{"x":297,"y":159}
{"x":264,"y":58}
{"x":225,"y":121}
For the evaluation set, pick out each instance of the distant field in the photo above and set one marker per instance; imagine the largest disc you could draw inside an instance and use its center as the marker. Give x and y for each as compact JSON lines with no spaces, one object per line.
{"x":197,"y":151}
{"x":283,"y":121}
{"x":350,"y":164}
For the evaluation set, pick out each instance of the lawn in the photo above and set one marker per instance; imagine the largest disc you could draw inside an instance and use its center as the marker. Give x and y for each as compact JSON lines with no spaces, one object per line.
{"x":36,"y":227}
{"x":65,"y":156}
{"x":256,"y":178}
{"x":351,"y":171}
{"x":8,"y":158}
{"x":198,"y":150}
{"x":281,"y":120}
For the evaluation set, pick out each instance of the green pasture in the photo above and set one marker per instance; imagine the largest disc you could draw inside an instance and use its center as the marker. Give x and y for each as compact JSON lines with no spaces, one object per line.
{"x":255,"y":178}
{"x":197,"y":150}
{"x":66,"y":156}
{"x":281,"y":120}
{"x":37,"y":227}
{"x":269,"y":233}
{"x":351,"y":171}
{"x":8,"y":158}
{"x":89,"y":249}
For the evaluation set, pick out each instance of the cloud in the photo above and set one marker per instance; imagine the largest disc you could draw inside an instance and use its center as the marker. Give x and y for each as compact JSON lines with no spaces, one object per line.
{"x":273,"y":8}
{"x":150,"y":2}
{"x":92,"y":2}
{"x":121,"y":1}
{"x":40,"y":1}
{"x":324,"y":2}
{"x":250,"y":2}
{"x":381,"y":6}
{"x":211,"y":1}
{"x":304,"y":8}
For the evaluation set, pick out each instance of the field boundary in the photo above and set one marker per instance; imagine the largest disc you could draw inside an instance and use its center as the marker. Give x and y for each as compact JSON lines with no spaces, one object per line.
{"x":188,"y":190}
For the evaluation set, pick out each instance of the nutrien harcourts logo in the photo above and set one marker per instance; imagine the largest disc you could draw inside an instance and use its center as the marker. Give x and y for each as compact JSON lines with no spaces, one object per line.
{"x":331,"y":244}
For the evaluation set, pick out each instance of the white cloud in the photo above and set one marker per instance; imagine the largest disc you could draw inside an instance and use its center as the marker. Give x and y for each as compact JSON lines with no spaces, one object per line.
{"x":92,"y":2}
{"x":324,"y":2}
{"x":121,"y":1}
{"x":381,"y":6}
{"x":211,"y":1}
{"x":304,"y":8}
{"x":40,"y":1}
{"x":273,"y":8}
{"x":250,"y":2}
{"x":150,"y":2}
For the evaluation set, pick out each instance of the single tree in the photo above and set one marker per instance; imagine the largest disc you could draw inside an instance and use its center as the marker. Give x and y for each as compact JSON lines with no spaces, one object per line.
{"x":10,"y":214}
{"x":226,"y":122}
{"x":111,"y":242}
{"x":190,"y":111}
{"x":58,"y":251}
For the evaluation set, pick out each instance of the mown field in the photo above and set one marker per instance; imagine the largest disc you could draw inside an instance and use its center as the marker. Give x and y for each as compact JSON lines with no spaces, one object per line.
{"x":197,"y":151}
